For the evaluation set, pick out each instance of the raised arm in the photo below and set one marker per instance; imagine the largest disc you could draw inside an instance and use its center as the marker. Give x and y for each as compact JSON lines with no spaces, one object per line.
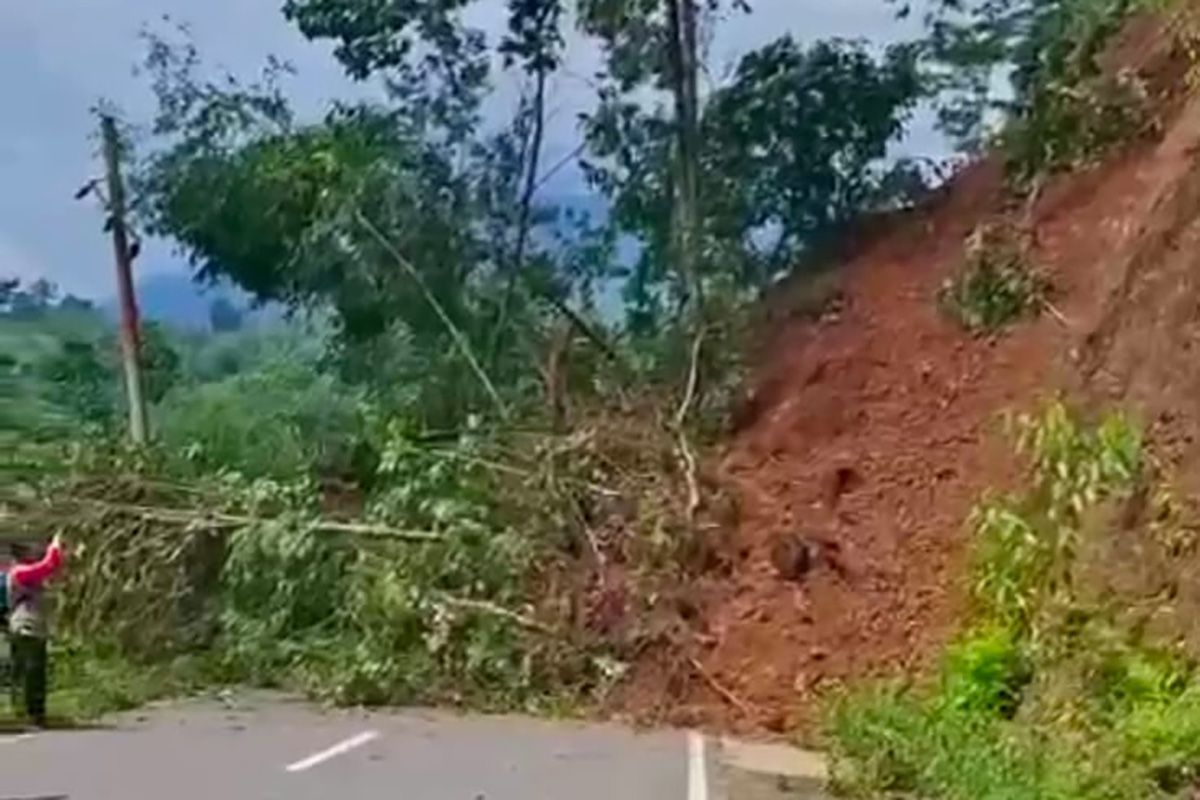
{"x":36,"y":573}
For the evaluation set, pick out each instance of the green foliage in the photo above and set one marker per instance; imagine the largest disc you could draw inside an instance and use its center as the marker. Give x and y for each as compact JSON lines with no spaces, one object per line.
{"x":1073,"y":125}
{"x":391,"y":622}
{"x":996,"y":286}
{"x":243,"y":572}
{"x":1042,"y":42}
{"x":407,"y":240}
{"x":877,"y":739}
{"x":88,"y":683}
{"x":78,"y":380}
{"x":1164,"y":733}
{"x":1075,"y":466}
{"x":283,"y":587}
{"x":888,"y":743}
{"x":1026,"y":545}
{"x":282,"y":420}
{"x":206,"y":358}
{"x":1068,"y":112}
{"x":58,"y":364}
{"x":1064,"y":111}
{"x":791,"y":152}
{"x":260,"y":213}
{"x":796,"y":143}
{"x":986,"y":673}
{"x":62,"y":364}
{"x":1013,"y":559}
{"x":160,"y":361}
{"x":434,"y":64}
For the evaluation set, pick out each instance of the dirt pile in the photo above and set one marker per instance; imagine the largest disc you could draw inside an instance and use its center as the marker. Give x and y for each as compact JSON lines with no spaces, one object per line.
{"x":873,"y":430}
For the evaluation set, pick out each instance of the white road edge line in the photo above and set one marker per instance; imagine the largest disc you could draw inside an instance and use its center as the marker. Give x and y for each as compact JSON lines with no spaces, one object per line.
{"x":339,"y":749}
{"x":697,"y":768}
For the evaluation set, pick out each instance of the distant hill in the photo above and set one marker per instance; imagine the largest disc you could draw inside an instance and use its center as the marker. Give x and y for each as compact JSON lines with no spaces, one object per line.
{"x":174,"y":298}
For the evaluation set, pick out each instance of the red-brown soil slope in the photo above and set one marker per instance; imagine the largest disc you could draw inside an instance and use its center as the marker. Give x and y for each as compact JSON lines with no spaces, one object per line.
{"x":873,"y":431}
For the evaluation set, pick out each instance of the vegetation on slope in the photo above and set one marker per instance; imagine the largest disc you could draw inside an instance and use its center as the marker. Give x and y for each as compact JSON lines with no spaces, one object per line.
{"x":1048,"y":693}
{"x":1054,"y":688}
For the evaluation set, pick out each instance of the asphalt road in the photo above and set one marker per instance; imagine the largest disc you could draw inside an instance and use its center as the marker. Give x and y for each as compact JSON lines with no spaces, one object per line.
{"x":277,"y":749}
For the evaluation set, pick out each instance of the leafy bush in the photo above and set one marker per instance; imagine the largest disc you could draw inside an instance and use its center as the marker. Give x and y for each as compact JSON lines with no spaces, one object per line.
{"x":284,"y":589}
{"x":1024,"y":544}
{"x":996,"y":286}
{"x":281,"y":421}
{"x":88,"y":681}
{"x":1164,"y":734}
{"x":877,"y":742}
{"x":986,"y":673}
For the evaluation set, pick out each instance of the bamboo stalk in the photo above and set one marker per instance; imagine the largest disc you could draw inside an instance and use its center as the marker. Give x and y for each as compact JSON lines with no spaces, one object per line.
{"x":223,"y":520}
{"x":460,"y":339}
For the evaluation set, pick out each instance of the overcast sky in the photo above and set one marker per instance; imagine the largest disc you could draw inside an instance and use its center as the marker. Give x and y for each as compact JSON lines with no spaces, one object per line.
{"x":59,"y":57}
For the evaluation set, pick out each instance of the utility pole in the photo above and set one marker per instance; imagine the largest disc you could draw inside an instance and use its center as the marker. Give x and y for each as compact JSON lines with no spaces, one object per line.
{"x":130,"y":338}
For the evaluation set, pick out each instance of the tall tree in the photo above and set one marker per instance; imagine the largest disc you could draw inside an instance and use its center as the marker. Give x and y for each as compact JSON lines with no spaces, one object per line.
{"x":655,"y":44}
{"x":365,"y":213}
{"x":534,"y":41}
{"x":437,"y":68}
{"x":791,"y":149}
{"x":434,"y":64}
{"x":795,"y":147}
{"x":684,"y":60}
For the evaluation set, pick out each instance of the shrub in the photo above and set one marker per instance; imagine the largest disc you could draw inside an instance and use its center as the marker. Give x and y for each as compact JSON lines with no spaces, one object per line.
{"x":892,"y":743}
{"x":986,"y":673}
{"x":996,"y":285}
{"x":383,"y":620}
{"x":280,"y":421}
{"x":1164,"y":734}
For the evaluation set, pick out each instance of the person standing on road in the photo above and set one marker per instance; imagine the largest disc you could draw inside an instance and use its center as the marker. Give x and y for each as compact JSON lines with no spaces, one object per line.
{"x":27,"y":628}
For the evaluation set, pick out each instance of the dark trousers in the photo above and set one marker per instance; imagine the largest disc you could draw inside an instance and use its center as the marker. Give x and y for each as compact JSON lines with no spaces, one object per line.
{"x":29,"y":676}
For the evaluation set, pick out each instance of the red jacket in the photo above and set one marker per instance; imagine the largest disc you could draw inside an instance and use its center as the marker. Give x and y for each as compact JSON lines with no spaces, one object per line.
{"x":34,"y":573}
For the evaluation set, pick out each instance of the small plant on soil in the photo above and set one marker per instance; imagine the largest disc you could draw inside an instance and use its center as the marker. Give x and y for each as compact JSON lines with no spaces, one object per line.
{"x":996,"y":285}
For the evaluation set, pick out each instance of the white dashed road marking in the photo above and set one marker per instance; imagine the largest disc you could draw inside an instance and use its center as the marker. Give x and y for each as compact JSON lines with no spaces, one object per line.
{"x":339,"y":749}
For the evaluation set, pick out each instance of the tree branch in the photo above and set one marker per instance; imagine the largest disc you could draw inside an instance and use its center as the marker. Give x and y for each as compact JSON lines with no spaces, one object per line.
{"x":173,"y":516}
{"x":685,"y":446}
{"x":486,"y":607}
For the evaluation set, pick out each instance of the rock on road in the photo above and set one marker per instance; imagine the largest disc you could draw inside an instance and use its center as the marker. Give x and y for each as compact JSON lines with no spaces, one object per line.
{"x":273,"y":748}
